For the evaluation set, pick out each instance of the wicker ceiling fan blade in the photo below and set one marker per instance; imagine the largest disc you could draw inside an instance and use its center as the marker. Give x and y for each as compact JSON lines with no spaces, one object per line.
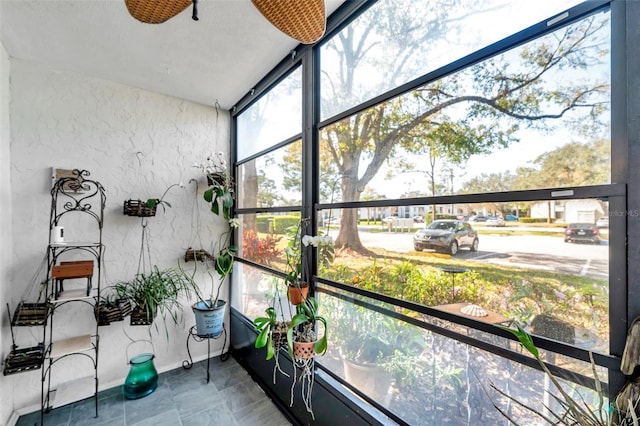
{"x":157,"y":11}
{"x":304,"y":20}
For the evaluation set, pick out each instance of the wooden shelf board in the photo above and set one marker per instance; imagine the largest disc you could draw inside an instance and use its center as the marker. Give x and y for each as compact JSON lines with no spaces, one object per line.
{"x":72,"y":391}
{"x":75,"y":294}
{"x":72,"y":345}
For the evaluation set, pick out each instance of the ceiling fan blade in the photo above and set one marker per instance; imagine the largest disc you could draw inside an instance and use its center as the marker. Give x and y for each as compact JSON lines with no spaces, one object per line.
{"x":156,"y":11}
{"x":304,"y":20}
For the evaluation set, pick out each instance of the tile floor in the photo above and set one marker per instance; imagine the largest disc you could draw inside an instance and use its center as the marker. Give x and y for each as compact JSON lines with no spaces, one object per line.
{"x":183,"y":397}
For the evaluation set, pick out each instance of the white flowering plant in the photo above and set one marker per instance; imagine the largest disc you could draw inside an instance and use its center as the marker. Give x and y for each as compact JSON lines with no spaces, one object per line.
{"x":220,"y":192}
{"x":214,"y":164}
{"x":297,"y":248}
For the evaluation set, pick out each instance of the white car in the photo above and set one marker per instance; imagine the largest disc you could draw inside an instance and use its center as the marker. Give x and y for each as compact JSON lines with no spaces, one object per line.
{"x":495,"y":221}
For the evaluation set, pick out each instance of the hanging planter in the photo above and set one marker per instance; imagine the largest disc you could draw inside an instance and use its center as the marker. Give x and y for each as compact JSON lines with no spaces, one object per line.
{"x":200,"y":255}
{"x":209,"y":317}
{"x":303,"y":350}
{"x":140,"y":316}
{"x":216,"y":179}
{"x":138,"y":208}
{"x":108,"y":311}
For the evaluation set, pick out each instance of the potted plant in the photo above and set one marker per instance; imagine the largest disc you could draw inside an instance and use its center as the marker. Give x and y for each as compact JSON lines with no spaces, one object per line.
{"x":297,"y":287}
{"x":154,"y":292}
{"x":147,"y":208}
{"x":220,"y":192}
{"x":272,"y":333}
{"x":374,"y":348}
{"x":215,"y":168}
{"x":210,"y":311}
{"x":303,"y":344}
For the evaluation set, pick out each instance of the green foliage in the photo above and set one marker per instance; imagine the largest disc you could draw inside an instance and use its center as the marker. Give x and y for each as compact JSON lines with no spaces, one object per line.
{"x":405,"y":281}
{"x":265,"y":326}
{"x":284,"y":224}
{"x":158,"y":291}
{"x":534,"y":220}
{"x":302,"y":325}
{"x":221,"y":198}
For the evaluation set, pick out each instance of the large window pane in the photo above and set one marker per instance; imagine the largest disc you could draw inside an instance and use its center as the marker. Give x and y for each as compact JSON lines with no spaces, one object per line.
{"x":426,"y":378}
{"x":533,"y":117}
{"x":277,"y":116}
{"x":396,"y":41}
{"x":272,"y":180}
{"x":544,"y":264}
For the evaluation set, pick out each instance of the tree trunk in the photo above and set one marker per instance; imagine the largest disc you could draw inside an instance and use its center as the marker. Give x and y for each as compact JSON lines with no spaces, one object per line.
{"x":348,"y":237}
{"x":250,"y":194}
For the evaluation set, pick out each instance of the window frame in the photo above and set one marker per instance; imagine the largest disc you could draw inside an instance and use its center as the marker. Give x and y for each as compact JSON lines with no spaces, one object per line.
{"x":615,"y":193}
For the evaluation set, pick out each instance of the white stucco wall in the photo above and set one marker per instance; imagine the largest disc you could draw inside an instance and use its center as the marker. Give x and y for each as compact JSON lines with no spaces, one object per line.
{"x":6,"y":383}
{"x":135,"y":143}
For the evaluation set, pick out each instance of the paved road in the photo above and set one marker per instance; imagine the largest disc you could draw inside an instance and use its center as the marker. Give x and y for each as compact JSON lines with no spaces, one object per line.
{"x":525,"y":251}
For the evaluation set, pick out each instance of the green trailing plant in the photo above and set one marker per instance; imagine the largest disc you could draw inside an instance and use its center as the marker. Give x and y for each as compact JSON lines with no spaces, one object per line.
{"x":156,"y":292}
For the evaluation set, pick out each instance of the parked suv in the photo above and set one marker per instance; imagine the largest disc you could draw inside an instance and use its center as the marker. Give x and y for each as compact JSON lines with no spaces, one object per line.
{"x":447,"y":236}
{"x":582,"y":232}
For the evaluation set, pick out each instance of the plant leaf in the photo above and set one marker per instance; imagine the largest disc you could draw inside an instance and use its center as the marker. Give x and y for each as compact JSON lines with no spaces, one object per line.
{"x":525,"y":339}
{"x":262,"y":338}
{"x":321,"y":345}
{"x":208,"y":195}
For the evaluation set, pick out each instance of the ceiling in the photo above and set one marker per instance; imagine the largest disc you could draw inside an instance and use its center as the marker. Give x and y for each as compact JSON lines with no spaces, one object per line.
{"x":218,"y":58}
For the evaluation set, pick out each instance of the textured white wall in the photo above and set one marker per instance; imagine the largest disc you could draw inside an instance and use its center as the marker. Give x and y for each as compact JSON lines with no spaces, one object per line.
{"x":135,"y":143}
{"x":6,"y":383}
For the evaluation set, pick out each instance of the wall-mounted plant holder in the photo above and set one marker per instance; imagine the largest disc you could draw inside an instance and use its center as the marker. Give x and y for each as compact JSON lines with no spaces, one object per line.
{"x":25,"y":359}
{"x":217,"y":178}
{"x":138,"y":208}
{"x":202,"y":255}
{"x":107,"y":312}
{"x":30,"y":314}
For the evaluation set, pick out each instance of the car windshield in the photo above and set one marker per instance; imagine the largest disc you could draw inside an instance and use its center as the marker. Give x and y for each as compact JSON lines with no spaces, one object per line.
{"x":447,"y":226}
{"x":581,"y":225}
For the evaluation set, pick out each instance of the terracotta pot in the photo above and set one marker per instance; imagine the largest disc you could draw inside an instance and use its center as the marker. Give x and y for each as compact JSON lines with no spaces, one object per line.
{"x":303,"y":350}
{"x":297,"y":293}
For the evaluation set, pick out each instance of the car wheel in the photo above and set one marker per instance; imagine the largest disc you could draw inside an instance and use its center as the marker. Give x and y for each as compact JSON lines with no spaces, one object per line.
{"x":474,"y":245}
{"x":453,"y":248}
{"x":418,"y":248}
{"x":566,"y":240}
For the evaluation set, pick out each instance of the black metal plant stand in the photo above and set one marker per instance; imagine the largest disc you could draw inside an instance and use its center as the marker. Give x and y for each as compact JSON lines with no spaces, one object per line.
{"x":187,"y":364}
